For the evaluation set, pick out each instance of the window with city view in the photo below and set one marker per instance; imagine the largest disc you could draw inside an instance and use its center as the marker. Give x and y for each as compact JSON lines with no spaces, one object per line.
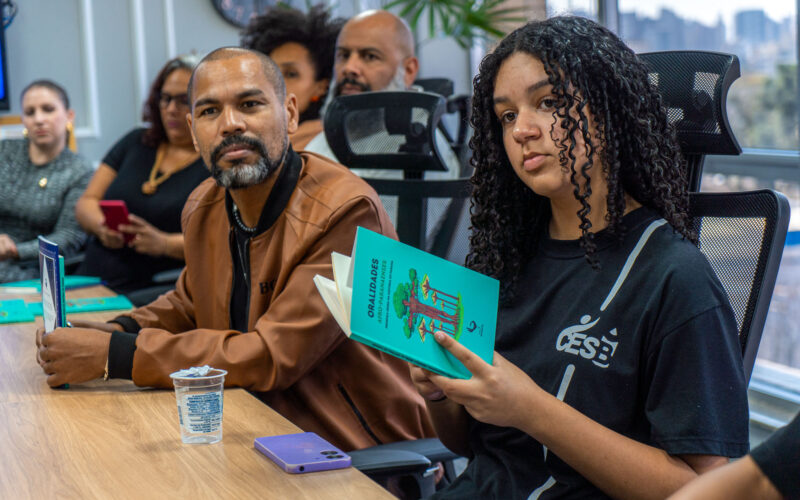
{"x":763,"y":110}
{"x":763,"y":103}
{"x":583,"y":8}
{"x":763,"y":113}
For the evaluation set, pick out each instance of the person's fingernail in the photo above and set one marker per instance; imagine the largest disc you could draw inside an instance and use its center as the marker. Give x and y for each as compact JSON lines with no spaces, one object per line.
{"x":436,"y":395}
{"x":439,"y":336}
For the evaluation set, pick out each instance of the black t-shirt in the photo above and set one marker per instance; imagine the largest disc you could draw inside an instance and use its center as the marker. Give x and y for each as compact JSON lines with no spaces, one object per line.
{"x":125,"y":269}
{"x":779,"y":458}
{"x":647,"y":348}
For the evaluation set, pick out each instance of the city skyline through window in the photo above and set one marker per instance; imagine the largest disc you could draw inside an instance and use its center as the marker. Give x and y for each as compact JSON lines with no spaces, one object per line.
{"x":763,"y":102}
{"x":709,"y":13}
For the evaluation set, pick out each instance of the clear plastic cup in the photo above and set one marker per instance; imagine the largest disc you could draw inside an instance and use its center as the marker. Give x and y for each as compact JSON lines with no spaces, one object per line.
{"x":198,"y":392}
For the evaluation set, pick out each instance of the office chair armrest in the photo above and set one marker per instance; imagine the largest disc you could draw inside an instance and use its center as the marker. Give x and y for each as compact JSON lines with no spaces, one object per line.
{"x":376,"y":461}
{"x":431,"y":448}
{"x":71,"y":262}
{"x":168,"y":276}
{"x":458,"y":103}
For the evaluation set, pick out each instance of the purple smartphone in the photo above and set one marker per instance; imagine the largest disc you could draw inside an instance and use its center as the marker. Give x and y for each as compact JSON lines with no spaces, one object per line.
{"x":303,"y":452}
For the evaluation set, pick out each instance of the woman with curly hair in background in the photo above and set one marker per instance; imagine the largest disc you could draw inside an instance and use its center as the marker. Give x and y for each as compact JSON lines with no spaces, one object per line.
{"x":303,"y":46}
{"x":617,"y":370}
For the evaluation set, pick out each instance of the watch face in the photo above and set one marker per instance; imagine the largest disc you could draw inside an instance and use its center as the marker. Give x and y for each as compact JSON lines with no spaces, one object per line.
{"x":239,"y":12}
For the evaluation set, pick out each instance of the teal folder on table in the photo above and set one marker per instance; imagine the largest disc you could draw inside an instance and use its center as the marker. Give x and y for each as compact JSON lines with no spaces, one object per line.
{"x":15,"y":311}
{"x":35,"y":286}
{"x":93,"y":304}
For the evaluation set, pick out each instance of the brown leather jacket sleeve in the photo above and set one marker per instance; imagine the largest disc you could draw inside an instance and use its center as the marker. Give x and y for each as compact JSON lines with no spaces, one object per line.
{"x":172,"y":311}
{"x":291,"y":337}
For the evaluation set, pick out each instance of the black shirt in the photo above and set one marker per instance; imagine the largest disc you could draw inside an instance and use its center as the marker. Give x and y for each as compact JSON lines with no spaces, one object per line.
{"x":779,"y":458}
{"x":649,"y":351}
{"x":125,"y":269}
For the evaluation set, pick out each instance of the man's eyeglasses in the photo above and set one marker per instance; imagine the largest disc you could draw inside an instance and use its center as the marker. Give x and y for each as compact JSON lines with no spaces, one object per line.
{"x":180,"y":100}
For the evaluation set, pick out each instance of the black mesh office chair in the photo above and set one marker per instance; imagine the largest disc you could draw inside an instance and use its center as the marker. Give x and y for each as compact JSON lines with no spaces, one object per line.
{"x":387,"y":130}
{"x":442,"y":86}
{"x":391,"y":131}
{"x":459,"y":105}
{"x":742,"y":234}
{"x":396,"y":131}
{"x":694,"y":88}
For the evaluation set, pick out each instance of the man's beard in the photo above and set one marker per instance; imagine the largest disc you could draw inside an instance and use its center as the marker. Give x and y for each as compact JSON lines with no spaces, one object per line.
{"x":239,"y":174}
{"x":398,"y":83}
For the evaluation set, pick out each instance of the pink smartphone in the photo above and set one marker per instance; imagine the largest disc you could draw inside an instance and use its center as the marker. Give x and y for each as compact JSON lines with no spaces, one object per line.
{"x":116,"y":213}
{"x":303,"y":452}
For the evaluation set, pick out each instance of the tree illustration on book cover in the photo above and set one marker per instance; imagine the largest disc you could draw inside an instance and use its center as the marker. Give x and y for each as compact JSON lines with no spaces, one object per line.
{"x":425,"y":309}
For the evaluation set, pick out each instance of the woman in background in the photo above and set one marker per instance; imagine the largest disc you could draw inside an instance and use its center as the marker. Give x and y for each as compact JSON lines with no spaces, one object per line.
{"x":152,"y":170}
{"x":303,"y":46}
{"x":42,"y":180}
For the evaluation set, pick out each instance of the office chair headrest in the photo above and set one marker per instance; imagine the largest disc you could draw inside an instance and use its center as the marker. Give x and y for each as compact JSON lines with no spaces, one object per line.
{"x":441,"y":86}
{"x":388,"y":130}
{"x":694,"y":87}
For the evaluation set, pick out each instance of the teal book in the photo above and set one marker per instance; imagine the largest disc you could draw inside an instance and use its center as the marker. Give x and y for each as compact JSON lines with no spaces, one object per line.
{"x":34,"y":286}
{"x":93,"y":304}
{"x":393,"y":297}
{"x":14,"y":311}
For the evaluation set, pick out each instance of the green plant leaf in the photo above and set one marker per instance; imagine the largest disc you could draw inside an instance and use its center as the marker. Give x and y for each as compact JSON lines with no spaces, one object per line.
{"x":431,"y":19}
{"x":463,"y":20}
{"x":447,"y":21}
{"x":415,"y":18}
{"x":498,"y":13}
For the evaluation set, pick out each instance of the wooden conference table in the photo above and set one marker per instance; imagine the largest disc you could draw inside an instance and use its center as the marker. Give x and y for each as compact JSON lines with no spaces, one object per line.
{"x":114,"y":440}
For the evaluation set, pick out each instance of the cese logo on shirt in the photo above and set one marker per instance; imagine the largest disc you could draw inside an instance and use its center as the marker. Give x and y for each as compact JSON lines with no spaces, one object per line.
{"x":574,"y":340}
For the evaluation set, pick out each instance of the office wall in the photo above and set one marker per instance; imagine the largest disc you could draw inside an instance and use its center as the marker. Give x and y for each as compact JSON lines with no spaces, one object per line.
{"x":106,"y":52}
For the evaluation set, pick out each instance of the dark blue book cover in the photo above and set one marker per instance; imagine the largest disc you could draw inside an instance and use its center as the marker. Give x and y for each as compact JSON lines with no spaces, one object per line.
{"x":51,"y":267}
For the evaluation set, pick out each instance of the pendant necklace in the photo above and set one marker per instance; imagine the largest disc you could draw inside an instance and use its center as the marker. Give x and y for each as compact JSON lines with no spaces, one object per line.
{"x":150,"y":186}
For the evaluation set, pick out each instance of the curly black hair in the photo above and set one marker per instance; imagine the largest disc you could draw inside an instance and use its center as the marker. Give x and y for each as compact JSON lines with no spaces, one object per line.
{"x":315,"y":31}
{"x":151,"y":111}
{"x":590,"y":68}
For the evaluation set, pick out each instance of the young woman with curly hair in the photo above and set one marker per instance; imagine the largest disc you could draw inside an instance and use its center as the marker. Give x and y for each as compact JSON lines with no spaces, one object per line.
{"x":617,"y":371}
{"x":303,"y":46}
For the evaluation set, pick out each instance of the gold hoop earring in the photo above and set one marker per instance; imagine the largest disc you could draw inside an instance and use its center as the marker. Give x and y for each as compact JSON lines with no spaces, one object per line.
{"x":25,"y":133}
{"x":71,"y":141}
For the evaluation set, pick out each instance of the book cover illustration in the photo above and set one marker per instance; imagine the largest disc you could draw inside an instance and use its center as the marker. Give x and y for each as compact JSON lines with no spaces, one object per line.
{"x":393,"y":297}
{"x":425,"y":309}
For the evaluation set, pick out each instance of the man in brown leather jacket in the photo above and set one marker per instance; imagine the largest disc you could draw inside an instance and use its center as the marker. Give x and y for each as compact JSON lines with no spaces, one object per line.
{"x":255,"y":235}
